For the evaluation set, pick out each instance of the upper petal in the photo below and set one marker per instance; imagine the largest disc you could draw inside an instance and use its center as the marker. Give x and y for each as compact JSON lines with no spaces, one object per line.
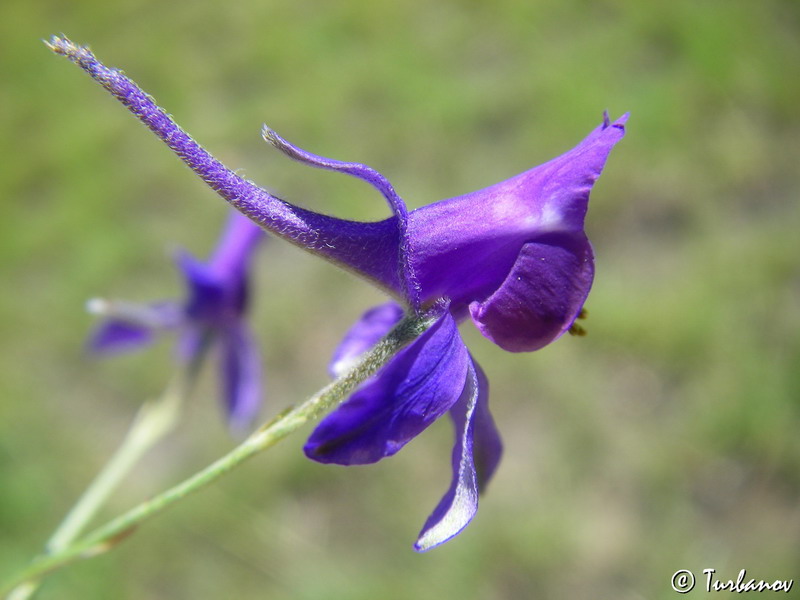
{"x":407,"y":279}
{"x":414,"y":389}
{"x":464,"y":247}
{"x":363,"y":335}
{"x":541,"y":296}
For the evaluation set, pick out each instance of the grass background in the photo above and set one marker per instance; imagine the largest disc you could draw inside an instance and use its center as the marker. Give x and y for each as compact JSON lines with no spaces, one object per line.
{"x":665,"y":440}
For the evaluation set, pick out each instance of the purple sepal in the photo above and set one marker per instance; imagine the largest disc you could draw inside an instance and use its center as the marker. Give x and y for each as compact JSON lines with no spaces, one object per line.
{"x":418,"y":386}
{"x":115,"y":336}
{"x":240,"y":375}
{"x":468,"y":247}
{"x":463,"y":249}
{"x":541,"y":296}
{"x":363,"y":335}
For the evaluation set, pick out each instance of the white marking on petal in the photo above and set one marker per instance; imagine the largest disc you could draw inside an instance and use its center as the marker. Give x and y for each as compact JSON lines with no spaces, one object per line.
{"x":458,"y":516}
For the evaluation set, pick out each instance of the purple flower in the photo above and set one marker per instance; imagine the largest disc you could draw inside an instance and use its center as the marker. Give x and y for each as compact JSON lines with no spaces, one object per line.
{"x":212,"y":316}
{"x":514,"y":257}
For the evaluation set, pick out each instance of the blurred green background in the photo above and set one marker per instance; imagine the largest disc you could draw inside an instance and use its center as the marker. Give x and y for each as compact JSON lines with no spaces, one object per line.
{"x":664,"y":440}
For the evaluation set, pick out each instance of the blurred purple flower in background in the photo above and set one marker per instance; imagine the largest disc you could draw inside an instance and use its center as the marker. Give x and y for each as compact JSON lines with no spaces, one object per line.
{"x":514,"y":257}
{"x":211,"y":317}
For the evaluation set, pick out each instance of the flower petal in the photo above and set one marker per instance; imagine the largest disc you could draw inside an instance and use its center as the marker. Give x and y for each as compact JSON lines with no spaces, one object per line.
{"x":541,"y":296}
{"x":465,"y":247}
{"x":559,"y":189}
{"x":116,"y":335}
{"x":359,"y":170}
{"x":418,"y":386}
{"x":130,"y":325}
{"x":232,"y":254}
{"x":241,"y":375}
{"x":457,"y":507}
{"x":409,"y":283}
{"x":363,"y":335}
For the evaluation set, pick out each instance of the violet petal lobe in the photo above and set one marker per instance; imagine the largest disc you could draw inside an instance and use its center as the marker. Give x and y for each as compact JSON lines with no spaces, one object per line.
{"x":419,"y":385}
{"x":541,"y":296}
{"x":130,"y":325}
{"x":457,"y":507}
{"x":116,"y":335}
{"x":363,"y":335}
{"x":241,"y":375}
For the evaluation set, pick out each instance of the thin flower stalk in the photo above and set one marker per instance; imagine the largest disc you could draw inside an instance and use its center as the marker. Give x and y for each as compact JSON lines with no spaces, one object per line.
{"x":107,"y":536}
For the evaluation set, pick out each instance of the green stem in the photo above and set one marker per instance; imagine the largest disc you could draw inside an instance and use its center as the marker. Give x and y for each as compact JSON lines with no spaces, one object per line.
{"x":153,"y":421}
{"x":107,"y":536}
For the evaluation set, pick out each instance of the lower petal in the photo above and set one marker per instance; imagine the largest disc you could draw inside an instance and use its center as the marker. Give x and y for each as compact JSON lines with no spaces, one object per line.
{"x":241,"y":375}
{"x":542,"y":295}
{"x":457,"y":507}
{"x":418,"y":386}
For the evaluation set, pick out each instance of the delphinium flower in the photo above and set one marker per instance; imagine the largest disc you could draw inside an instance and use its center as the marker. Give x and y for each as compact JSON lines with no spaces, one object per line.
{"x":513,"y":257}
{"x":212,"y":317}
